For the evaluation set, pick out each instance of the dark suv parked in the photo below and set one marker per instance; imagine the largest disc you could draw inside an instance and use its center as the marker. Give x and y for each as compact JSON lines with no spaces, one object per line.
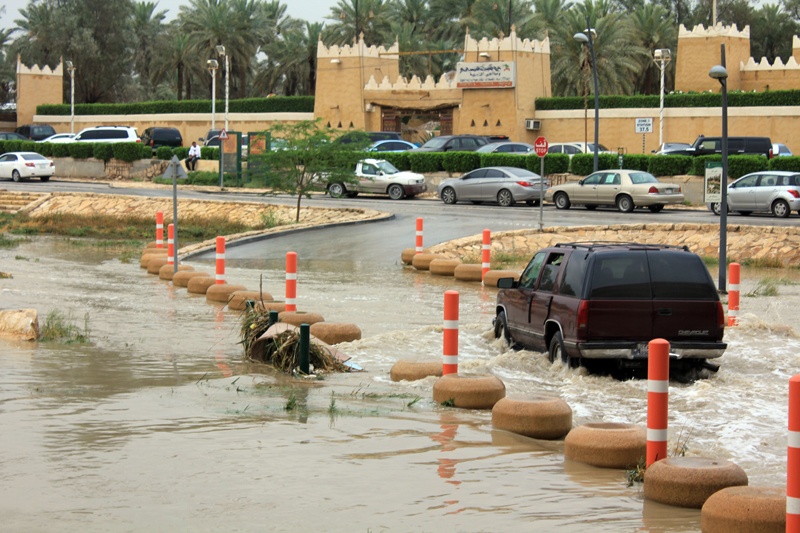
{"x":582,"y":302}
{"x":36,"y":132}
{"x":736,"y":146}
{"x":158,"y":136}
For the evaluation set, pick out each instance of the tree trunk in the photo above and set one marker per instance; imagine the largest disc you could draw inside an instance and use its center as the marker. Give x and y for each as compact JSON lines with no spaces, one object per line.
{"x":297,"y":217}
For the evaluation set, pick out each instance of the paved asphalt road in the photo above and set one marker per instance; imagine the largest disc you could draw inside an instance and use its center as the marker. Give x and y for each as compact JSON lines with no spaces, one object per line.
{"x":383,"y":239}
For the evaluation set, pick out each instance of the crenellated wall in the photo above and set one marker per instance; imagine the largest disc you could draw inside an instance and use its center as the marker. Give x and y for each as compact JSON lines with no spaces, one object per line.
{"x":35,"y":86}
{"x":699,"y":50}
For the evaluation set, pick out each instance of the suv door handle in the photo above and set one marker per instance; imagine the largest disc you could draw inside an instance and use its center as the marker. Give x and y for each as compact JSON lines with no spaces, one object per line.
{"x":665,"y":312}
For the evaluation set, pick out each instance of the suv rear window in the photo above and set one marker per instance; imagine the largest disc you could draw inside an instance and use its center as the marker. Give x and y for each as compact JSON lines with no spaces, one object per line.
{"x":680,"y":276}
{"x":621,"y":276}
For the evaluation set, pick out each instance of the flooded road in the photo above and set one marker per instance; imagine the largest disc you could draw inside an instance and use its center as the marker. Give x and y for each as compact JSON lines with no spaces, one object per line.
{"x":158,"y":424}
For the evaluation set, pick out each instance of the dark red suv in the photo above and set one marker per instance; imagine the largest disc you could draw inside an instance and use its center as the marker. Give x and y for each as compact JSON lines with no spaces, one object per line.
{"x":606,"y":301}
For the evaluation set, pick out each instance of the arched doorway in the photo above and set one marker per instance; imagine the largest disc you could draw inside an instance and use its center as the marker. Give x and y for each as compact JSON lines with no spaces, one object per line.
{"x":418,"y":125}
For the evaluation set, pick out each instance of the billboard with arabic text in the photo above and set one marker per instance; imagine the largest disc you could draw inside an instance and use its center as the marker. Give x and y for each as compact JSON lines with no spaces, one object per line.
{"x":486,"y":75}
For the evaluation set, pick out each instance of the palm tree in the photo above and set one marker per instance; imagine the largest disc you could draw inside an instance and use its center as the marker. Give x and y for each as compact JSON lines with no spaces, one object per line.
{"x":147,"y":26}
{"x":654,"y":30}
{"x":175,"y":58}
{"x":768,"y":35}
{"x":453,"y":18}
{"x":351,"y":18}
{"x":497,"y":16}
{"x":547,"y":16}
{"x":290,"y":68}
{"x":38,"y":31}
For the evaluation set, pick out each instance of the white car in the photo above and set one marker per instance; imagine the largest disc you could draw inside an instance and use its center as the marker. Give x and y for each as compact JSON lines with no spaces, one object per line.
{"x":26,"y":165}
{"x":59,"y":138}
{"x":107,"y":134}
{"x":378,"y":176}
{"x":572,"y":148}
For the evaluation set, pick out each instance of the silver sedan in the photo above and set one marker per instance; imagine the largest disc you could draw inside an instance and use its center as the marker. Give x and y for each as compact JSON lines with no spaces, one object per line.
{"x":504,"y":185}
{"x":626,"y":189}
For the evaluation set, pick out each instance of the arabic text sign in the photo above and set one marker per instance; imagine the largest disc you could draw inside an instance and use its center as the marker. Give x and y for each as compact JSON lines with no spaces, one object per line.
{"x":486,"y":75}
{"x":540,"y":146}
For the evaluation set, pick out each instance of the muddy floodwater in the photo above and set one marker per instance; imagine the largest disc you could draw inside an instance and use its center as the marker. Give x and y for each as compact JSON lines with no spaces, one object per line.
{"x":159,"y":425}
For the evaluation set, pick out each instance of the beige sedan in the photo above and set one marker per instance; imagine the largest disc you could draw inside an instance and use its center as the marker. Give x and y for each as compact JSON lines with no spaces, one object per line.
{"x":626,"y":189}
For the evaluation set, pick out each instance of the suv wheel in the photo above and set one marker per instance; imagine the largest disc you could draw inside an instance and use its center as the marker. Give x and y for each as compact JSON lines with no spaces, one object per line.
{"x":556,"y":350}
{"x":781,"y":209}
{"x":625,"y":203}
{"x":396,"y":192}
{"x":562,"y":200}
{"x":501,"y":329}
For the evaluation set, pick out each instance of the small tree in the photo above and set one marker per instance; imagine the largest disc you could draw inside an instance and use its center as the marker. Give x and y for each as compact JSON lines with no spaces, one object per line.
{"x":311,"y":158}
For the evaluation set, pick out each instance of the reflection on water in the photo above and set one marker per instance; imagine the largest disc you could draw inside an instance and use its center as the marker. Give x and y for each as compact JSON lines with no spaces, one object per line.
{"x":160,"y":414}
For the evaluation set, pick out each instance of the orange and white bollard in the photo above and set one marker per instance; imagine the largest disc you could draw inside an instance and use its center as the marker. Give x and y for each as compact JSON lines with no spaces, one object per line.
{"x":171,"y":244}
{"x":793,"y":458}
{"x":450,"y":334}
{"x":657,"y":400}
{"x":159,"y":229}
{"x":486,"y":253}
{"x":220,"y":279}
{"x":419,"y":236}
{"x":733,"y":294}
{"x":291,"y":281}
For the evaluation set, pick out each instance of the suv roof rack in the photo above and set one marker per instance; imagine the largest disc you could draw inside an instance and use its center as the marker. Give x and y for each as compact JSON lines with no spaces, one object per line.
{"x":590,"y":245}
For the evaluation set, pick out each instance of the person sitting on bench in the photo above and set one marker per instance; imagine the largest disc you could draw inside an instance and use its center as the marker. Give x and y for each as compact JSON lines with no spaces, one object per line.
{"x":194,"y":155}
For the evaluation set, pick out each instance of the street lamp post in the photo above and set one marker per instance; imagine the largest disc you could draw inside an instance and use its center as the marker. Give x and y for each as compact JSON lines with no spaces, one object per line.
{"x":720,"y":73}
{"x":221,"y":52}
{"x":71,"y":70}
{"x":585,"y":37}
{"x":213,"y":65}
{"x":662,"y":56}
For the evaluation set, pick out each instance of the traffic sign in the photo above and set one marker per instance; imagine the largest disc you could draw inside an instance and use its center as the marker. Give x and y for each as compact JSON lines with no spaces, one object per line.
{"x":540,"y":146}
{"x":644,"y":125}
{"x":223,"y":135}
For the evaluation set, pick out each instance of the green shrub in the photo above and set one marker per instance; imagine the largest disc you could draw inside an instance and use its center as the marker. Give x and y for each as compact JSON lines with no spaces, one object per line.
{"x":739,"y":165}
{"x":553,"y":164}
{"x":129,"y":151}
{"x":669,"y":165}
{"x":636,"y":161}
{"x":3,"y":147}
{"x":698,"y":167}
{"x":505,"y":160}
{"x":61,"y":149}
{"x":792,"y":164}
{"x":46,"y":149}
{"x":182,"y":152}
{"x":706,"y":99}
{"x":29,"y":146}
{"x":13,"y":146}
{"x":103,"y":151}
{"x":209,"y":152}
{"x":275,"y":104}
{"x":425,"y":162}
{"x":460,"y":162}
{"x":80,"y":150}
{"x":164,"y":153}
{"x":398,"y":159}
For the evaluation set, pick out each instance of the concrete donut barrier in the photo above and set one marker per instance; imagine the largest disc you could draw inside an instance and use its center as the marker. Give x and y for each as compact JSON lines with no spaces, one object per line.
{"x":607,"y":444}
{"x":535,"y":416}
{"x":469,"y":391}
{"x":491,"y":277}
{"x":468,"y":272}
{"x":408,"y":254}
{"x":443,"y":266}
{"x":238,"y":300}
{"x":181,"y":277}
{"x":221,"y":292}
{"x":296,"y":318}
{"x":150,"y":253}
{"x":745,"y":509}
{"x":20,"y":324}
{"x":415,"y":370}
{"x":200,"y":284}
{"x":690,"y":481}
{"x":422,"y":261}
{"x":167,"y":272}
{"x":333,"y":333}
{"x":155,"y":263}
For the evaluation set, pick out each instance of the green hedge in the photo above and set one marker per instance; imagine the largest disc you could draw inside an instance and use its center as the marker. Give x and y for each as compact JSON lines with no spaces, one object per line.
{"x":712,"y":99}
{"x":209,"y":152}
{"x":669,"y":165}
{"x":164,"y":152}
{"x":61,"y":150}
{"x":398,"y":159}
{"x":275,"y":104}
{"x":505,"y":160}
{"x":792,"y":164}
{"x":104,"y":151}
{"x":182,"y":152}
{"x":80,"y":150}
{"x":424,"y":162}
{"x":460,"y":162}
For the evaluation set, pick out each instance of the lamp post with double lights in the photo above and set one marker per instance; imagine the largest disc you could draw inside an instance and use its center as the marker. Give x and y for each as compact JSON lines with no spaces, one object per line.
{"x":221,"y":53}
{"x":662,"y":56}
{"x":71,"y":70}
{"x":720,"y":73}
{"x":213,"y":65}
{"x":586,"y":37}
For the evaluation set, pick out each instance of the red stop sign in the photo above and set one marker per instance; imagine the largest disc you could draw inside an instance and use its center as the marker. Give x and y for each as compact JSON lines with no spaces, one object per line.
{"x":540,"y":146}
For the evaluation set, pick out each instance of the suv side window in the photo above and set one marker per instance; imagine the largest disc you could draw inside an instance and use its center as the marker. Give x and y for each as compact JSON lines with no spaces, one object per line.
{"x":621,"y":276}
{"x":574,"y":274}
{"x":527,"y":279}
{"x":550,"y":272}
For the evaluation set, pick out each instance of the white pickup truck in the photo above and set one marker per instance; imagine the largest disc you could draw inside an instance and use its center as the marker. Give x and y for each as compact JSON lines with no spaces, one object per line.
{"x":378,"y":176}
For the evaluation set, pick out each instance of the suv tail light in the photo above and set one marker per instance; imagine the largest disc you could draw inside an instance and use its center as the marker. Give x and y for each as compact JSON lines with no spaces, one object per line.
{"x":771,"y":154}
{"x":583,"y":319}
{"x":720,"y":317}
